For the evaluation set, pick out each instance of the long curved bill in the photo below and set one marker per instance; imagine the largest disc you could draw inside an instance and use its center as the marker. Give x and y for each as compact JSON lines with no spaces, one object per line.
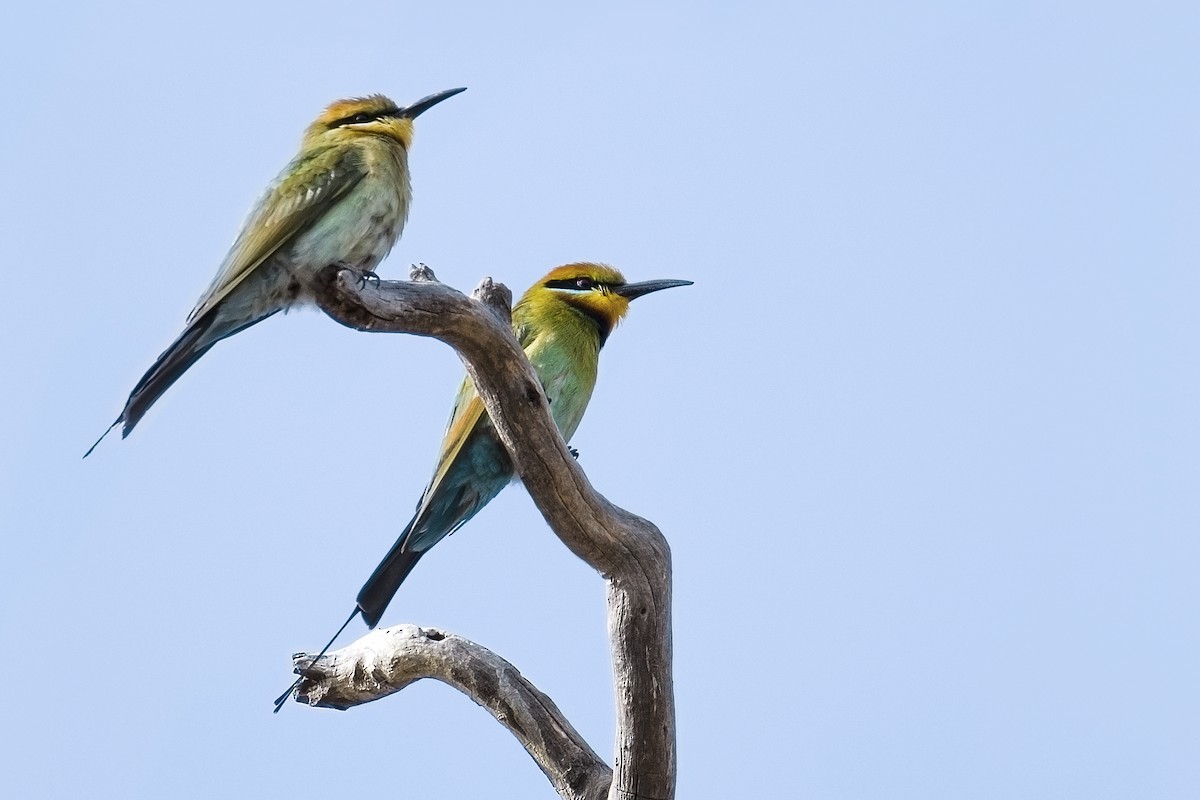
{"x":426,"y":103}
{"x":633,"y":290}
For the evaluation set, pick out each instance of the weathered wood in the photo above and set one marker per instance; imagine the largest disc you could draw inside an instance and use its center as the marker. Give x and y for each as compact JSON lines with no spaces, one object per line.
{"x":630,"y":552}
{"x":387,"y":660}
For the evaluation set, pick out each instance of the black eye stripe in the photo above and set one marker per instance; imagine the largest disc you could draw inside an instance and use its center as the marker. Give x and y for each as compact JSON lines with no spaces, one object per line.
{"x":352,"y":120}
{"x":582,"y":283}
{"x":363,"y":116}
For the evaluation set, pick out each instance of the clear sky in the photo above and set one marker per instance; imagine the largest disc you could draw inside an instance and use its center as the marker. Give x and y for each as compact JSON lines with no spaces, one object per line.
{"x":923,"y":435}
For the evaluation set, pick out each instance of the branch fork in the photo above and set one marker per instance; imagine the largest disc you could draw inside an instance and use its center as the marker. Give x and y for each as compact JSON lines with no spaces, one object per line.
{"x":630,"y":552}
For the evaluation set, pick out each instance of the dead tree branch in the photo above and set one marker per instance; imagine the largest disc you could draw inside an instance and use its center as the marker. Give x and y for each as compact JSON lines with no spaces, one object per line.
{"x":630,"y":552}
{"x":386,"y":661}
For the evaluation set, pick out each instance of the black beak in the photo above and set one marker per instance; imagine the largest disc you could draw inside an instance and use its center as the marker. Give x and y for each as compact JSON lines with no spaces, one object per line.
{"x":633,"y":290}
{"x":426,"y":103}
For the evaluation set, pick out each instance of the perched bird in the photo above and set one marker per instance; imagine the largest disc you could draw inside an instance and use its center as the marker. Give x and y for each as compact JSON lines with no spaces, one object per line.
{"x":342,"y":200}
{"x":561,"y":323}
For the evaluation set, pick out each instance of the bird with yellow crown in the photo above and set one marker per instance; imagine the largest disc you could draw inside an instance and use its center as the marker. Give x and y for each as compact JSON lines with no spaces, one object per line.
{"x":342,"y":200}
{"x":561,"y":323}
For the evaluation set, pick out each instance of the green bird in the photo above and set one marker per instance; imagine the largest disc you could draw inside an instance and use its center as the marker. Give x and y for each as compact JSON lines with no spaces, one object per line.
{"x":561,"y":323}
{"x":342,"y":200}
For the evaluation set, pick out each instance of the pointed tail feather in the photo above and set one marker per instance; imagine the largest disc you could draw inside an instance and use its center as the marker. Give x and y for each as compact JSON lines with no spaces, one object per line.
{"x":175,"y":360}
{"x":107,"y":431}
{"x":373,"y":598}
{"x":381,"y":587}
{"x":376,"y":593}
{"x":279,"y":701}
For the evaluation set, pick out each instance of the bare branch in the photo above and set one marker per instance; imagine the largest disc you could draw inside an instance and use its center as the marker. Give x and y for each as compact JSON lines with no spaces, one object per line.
{"x":628,"y":551}
{"x":386,"y":661}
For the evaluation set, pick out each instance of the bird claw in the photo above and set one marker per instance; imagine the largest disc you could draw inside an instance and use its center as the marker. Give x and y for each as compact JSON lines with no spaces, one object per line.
{"x":574,"y":453}
{"x":367,"y":276}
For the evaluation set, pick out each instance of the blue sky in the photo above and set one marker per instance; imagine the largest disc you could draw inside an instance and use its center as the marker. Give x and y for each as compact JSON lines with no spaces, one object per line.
{"x":923,"y":434}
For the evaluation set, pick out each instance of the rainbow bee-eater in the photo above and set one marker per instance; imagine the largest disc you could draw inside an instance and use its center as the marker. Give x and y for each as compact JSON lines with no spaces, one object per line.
{"x":561,"y":323}
{"x":342,"y":200}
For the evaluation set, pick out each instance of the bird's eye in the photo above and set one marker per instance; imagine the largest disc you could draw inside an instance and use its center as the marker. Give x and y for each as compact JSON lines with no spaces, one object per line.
{"x":357,"y":119}
{"x":584,"y":283}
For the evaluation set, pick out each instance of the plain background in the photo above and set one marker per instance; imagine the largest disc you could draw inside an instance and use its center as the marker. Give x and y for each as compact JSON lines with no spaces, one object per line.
{"x":923,"y":435}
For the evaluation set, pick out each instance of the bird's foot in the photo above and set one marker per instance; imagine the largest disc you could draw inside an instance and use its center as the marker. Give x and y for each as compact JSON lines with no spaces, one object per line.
{"x":367,"y":276}
{"x":574,"y":453}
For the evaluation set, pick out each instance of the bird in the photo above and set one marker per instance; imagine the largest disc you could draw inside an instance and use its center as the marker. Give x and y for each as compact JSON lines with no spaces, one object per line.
{"x":343,"y":200}
{"x":561,"y":323}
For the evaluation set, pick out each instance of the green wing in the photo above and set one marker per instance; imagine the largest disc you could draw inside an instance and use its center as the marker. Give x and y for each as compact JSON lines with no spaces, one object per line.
{"x":467,"y":416}
{"x":300,"y":195}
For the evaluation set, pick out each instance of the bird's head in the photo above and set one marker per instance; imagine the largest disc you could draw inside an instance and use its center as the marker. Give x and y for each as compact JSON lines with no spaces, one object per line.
{"x":375,"y":115}
{"x":596,"y":291}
